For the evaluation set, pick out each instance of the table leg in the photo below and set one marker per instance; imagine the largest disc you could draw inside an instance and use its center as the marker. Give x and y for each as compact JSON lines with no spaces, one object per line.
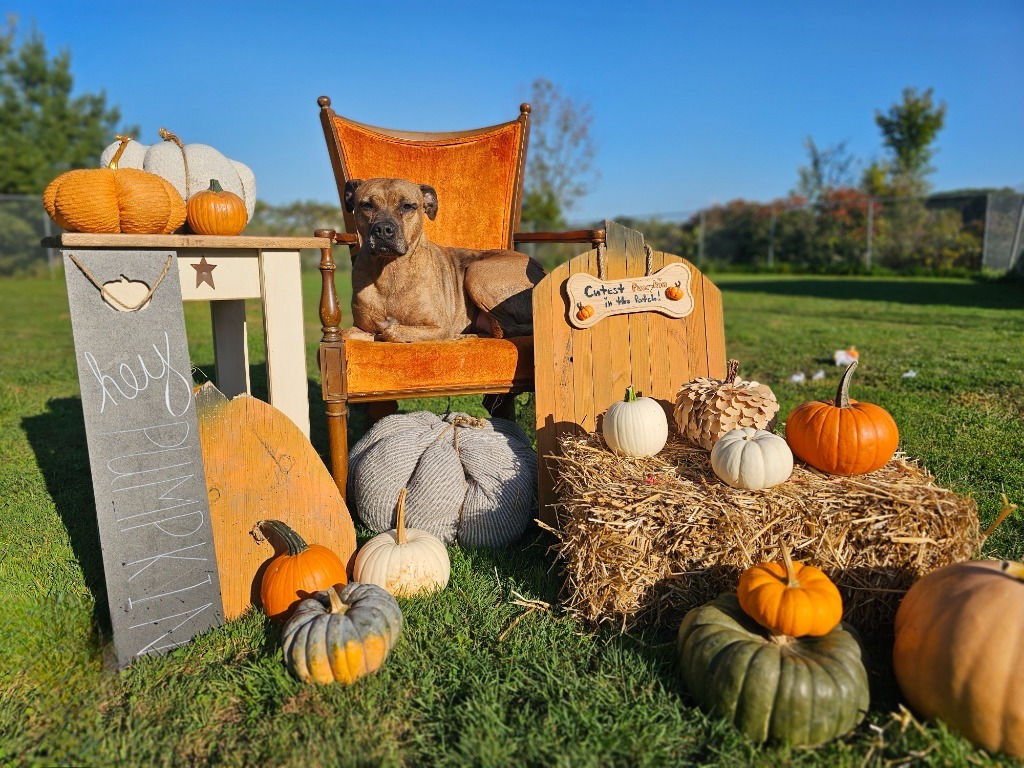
{"x":230,"y":346}
{"x":281,"y":286}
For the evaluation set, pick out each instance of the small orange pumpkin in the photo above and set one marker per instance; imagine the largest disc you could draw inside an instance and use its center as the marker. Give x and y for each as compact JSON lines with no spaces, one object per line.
{"x":114,"y":200}
{"x":296,"y":573}
{"x":790,"y":598}
{"x":842,"y":436}
{"x":215,"y":211}
{"x":585,"y":312}
{"x":673,"y":293}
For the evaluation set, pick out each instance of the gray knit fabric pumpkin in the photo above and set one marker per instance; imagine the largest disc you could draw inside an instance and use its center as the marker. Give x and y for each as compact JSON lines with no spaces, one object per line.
{"x":468,"y":479}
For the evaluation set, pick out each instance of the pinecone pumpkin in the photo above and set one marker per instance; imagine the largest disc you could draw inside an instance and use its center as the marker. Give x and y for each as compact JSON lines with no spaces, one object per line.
{"x":708,"y":408}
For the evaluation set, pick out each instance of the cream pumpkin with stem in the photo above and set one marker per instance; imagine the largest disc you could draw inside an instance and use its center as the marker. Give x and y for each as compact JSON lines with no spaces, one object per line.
{"x":404,"y":561}
{"x":635,"y":426}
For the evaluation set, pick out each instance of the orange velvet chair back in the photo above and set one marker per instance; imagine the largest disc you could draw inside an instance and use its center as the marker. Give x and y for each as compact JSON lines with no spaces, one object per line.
{"x":478,"y":174}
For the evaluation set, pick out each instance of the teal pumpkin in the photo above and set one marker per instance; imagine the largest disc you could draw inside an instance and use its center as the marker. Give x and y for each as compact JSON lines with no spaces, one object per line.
{"x":803,"y":691}
{"x":341,"y":634}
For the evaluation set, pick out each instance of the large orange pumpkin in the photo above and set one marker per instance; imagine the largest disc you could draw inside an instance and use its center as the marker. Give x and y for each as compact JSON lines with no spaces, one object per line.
{"x":842,"y":436}
{"x":959,"y":651}
{"x":298,"y":572}
{"x":114,"y":200}
{"x":790,"y":598}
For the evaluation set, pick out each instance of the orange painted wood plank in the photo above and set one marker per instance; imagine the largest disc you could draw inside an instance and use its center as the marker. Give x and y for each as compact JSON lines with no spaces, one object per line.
{"x":545,"y":294}
{"x":663,"y":388}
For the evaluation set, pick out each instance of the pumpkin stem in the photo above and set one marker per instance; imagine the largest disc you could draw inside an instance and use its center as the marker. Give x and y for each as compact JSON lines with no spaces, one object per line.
{"x":732,"y":371}
{"x":400,"y":522}
{"x":112,"y":165}
{"x":1007,"y":510}
{"x":291,"y":539}
{"x":336,"y":605}
{"x":779,"y":640}
{"x":215,"y":186}
{"x":630,"y":394}
{"x":791,"y":580}
{"x":843,"y":395}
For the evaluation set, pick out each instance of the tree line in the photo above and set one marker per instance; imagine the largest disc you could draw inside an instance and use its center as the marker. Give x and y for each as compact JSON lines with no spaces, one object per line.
{"x":830,"y":221}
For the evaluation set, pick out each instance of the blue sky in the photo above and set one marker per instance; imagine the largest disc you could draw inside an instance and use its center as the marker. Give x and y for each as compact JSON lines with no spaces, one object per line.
{"x":693,"y":102}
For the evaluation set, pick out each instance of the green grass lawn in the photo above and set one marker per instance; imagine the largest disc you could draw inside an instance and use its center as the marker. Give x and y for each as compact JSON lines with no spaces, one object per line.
{"x":470,"y":682}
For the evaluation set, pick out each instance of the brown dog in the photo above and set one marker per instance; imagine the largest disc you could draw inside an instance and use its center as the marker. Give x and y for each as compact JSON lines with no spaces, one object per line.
{"x":407,"y":288}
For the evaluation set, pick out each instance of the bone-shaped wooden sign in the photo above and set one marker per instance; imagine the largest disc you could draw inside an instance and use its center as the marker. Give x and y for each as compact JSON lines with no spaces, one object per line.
{"x":666,"y":291}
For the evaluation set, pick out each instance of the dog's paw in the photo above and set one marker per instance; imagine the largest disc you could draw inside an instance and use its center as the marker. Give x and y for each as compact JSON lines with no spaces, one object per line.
{"x":357,"y":334}
{"x":386,"y":323}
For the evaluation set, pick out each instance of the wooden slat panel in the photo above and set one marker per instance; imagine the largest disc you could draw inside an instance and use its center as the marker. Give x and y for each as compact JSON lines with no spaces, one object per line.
{"x":648,"y":349}
{"x":715,"y":323}
{"x":545,"y":299}
{"x":377,"y":366}
{"x":659,"y":352}
{"x":583,"y":356}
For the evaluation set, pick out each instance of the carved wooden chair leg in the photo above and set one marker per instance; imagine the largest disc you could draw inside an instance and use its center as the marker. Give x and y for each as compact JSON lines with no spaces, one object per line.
{"x":377,"y":411}
{"x":337,"y":438}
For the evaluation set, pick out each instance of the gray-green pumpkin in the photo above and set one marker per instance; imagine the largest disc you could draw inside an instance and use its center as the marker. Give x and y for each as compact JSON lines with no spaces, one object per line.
{"x":804,"y":690}
{"x":341,"y":634}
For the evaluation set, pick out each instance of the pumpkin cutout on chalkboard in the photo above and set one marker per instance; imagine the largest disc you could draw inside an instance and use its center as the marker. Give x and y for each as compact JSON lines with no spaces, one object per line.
{"x":259,"y":465}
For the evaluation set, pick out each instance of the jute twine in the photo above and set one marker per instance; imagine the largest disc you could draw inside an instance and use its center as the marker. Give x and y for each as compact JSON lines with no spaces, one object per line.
{"x":168,"y":136}
{"x":105,"y":292}
{"x":601,"y":266}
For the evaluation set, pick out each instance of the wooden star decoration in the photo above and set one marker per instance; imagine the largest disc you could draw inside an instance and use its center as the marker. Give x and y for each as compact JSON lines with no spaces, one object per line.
{"x":204,"y":273}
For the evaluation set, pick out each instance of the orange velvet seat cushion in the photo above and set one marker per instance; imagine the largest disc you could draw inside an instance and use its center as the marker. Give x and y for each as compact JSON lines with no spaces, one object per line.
{"x":472,"y":364}
{"x":475,"y":177}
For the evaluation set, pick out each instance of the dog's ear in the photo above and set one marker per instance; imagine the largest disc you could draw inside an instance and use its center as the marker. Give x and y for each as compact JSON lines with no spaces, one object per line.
{"x":350,"y":194}
{"x":429,"y":201}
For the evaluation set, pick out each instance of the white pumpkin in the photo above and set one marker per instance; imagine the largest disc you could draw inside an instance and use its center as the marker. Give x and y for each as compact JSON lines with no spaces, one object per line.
{"x":167,"y":160}
{"x":635,"y":426}
{"x":752,"y":458}
{"x":404,"y":561}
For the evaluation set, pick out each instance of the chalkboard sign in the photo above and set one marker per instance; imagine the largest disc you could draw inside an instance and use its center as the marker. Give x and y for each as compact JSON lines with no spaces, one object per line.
{"x":144,"y":453}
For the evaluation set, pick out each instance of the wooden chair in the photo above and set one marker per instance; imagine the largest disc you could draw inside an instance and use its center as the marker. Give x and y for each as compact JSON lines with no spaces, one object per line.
{"x":478,"y":175}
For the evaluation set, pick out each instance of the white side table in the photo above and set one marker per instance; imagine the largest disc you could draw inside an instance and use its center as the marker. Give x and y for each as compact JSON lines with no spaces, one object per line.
{"x":225,"y":271}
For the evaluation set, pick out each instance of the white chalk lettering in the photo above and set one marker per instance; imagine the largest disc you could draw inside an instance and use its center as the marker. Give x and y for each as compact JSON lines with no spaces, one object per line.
{"x":177,"y":386}
{"x":172,"y":555}
{"x":203,"y":583}
{"x":189,"y":616}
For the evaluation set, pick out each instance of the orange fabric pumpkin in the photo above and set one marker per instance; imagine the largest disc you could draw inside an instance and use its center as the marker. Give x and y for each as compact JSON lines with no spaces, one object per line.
{"x":113,"y":200}
{"x":298,"y":572}
{"x":216,"y":212}
{"x":790,"y":598}
{"x":842,"y":436}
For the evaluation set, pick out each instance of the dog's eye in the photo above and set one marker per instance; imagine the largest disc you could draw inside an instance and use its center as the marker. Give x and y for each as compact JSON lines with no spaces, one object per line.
{"x":407,"y":207}
{"x":366,"y":205}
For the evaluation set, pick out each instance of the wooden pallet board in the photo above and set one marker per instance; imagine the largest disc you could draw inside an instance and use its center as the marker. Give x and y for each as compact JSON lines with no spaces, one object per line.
{"x":580,"y":372}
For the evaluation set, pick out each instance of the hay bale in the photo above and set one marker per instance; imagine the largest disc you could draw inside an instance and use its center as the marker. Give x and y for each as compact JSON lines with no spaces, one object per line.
{"x":646,"y":539}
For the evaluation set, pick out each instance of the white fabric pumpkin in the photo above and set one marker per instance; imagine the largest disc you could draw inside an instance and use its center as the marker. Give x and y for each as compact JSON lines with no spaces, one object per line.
{"x":404,"y":561}
{"x":204,"y":163}
{"x":635,"y":426}
{"x":752,"y":458}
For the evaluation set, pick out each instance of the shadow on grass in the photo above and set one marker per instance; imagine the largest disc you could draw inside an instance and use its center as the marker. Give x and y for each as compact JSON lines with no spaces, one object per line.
{"x":58,"y":440}
{"x":980,"y":294}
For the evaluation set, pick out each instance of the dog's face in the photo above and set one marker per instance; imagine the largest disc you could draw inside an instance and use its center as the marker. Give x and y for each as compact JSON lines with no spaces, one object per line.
{"x":389,"y":213}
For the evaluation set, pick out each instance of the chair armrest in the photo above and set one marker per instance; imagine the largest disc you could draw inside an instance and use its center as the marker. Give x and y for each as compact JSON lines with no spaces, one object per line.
{"x":338,"y":238}
{"x":593,"y":236}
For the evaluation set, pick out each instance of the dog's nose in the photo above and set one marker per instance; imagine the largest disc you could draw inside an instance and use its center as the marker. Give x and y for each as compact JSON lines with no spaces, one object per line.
{"x":383,"y":229}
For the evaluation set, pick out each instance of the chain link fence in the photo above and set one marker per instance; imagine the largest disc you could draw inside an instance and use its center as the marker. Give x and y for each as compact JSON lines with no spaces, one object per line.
{"x":847,"y":232}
